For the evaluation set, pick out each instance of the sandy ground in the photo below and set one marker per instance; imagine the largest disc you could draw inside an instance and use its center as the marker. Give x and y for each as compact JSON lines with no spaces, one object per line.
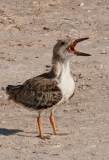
{"x":28,"y":31}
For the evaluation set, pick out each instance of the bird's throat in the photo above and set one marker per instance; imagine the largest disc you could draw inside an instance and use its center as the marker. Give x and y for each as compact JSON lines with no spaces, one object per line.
{"x":59,"y":67}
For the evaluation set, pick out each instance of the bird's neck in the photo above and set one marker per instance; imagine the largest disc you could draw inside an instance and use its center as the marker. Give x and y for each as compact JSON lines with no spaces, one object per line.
{"x":59,"y":68}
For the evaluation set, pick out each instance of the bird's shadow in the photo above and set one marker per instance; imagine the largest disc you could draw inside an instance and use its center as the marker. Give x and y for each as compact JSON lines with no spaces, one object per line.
{"x":8,"y":132}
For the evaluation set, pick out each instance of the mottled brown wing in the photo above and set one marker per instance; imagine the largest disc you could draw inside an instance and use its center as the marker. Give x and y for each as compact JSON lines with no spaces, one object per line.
{"x":39,"y":93}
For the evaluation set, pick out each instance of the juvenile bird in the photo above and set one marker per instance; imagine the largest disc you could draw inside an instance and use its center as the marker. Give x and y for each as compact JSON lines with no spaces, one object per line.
{"x":48,"y":90}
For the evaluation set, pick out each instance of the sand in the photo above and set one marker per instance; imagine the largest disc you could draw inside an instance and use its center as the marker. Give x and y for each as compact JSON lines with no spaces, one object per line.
{"x":28,"y":31}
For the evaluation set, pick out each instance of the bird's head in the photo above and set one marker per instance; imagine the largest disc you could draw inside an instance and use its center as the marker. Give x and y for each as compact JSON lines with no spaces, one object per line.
{"x":65,"y":48}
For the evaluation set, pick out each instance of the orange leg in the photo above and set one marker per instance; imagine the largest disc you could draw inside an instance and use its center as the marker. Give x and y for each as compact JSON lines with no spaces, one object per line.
{"x":39,"y":121}
{"x":53,"y":123}
{"x":54,"y":127}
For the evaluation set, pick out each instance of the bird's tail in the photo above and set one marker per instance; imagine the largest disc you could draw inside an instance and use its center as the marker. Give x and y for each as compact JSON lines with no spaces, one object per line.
{"x":11,"y":90}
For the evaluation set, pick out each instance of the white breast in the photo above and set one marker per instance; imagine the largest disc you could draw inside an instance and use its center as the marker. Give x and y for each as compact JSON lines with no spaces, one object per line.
{"x":66,"y":84}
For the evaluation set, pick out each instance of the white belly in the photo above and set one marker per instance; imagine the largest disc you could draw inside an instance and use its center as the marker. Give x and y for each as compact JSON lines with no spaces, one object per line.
{"x":66,"y":85}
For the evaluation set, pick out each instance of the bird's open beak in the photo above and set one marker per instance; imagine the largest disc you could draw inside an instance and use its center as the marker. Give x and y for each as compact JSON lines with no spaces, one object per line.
{"x":71,"y":47}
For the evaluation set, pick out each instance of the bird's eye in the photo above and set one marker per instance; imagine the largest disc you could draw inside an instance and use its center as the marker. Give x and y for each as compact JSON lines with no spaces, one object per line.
{"x":62,"y":43}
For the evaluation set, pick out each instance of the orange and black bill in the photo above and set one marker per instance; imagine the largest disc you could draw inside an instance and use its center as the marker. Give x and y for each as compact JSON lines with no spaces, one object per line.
{"x":71,"y":47}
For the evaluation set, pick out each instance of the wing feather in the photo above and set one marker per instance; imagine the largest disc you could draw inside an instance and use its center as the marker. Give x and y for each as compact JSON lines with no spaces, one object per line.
{"x":39,"y":93}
